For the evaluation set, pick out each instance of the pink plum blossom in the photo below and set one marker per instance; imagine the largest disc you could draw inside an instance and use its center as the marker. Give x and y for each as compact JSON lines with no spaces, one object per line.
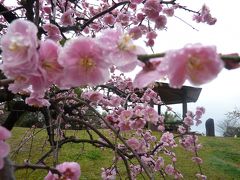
{"x":150,"y":38}
{"x":169,"y":169}
{"x":152,"y":8}
{"x":124,"y":120}
{"x":135,"y":170}
{"x":169,"y":11}
{"x":123,"y":18}
{"x":189,"y":142}
{"x":188,"y":121}
{"x":115,"y":101}
{"x":126,"y":115}
{"x":150,"y":95}
{"x":159,"y":164}
{"x":149,"y":73}
{"x":37,"y":100}
{"x":140,"y":17}
{"x":201,"y":176}
{"x":197,"y":160}
{"x":38,"y":84}
{"x":151,"y":35}
{"x":48,"y":55}
{"x":137,"y":123}
{"x":4,"y":147}
{"x":151,"y":115}
{"x":4,"y":150}
{"x":205,"y":16}
{"x":134,"y":97}
{"x":108,"y":174}
{"x":4,"y":133}
{"x":124,"y":125}
{"x":160,"y":22}
{"x":150,"y":42}
{"x":147,"y":136}
{"x":181,"y":129}
{"x":199,"y":112}
{"x":92,"y":96}
{"x":139,"y":110}
{"x":133,"y":6}
{"x":83,"y":63}
{"x":51,"y":176}
{"x":68,"y":170}
{"x":19,"y":49}
{"x":53,"y":32}
{"x":20,"y":83}
{"x":67,"y":18}
{"x":148,"y":160}
{"x":47,"y":9}
{"x":196,"y":63}
{"x":111,"y":118}
{"x":161,"y":128}
{"x":96,"y":26}
{"x":136,"y":1}
{"x":168,"y":139}
{"x":135,"y":32}
{"x":109,"y":19}
{"x":134,"y":143}
{"x":119,"y":49}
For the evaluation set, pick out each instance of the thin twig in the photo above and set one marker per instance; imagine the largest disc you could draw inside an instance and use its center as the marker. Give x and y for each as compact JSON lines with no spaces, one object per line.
{"x":35,"y":166}
{"x":5,"y":82}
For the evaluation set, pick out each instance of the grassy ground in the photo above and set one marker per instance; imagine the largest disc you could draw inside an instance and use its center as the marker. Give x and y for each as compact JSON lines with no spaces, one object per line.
{"x":221,"y":157}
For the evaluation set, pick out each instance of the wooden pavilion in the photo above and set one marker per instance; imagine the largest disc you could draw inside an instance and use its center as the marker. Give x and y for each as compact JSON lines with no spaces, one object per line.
{"x":182,"y":96}
{"x":170,"y":95}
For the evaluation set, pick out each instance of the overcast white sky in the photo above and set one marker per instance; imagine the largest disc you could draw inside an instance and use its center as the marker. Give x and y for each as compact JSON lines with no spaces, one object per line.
{"x":222,"y":94}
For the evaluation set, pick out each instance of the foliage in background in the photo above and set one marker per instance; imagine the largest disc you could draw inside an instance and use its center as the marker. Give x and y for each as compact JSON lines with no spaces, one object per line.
{"x":230,"y":126}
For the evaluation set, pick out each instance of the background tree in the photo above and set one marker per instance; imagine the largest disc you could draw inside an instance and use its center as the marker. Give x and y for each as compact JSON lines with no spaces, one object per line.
{"x":230,"y":126}
{"x":172,"y":121}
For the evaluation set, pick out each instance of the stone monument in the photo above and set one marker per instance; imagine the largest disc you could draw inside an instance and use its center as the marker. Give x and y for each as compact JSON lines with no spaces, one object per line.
{"x":209,"y":125}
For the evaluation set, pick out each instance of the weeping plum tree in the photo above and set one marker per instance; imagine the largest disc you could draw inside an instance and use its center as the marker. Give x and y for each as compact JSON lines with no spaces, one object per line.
{"x":52,"y":48}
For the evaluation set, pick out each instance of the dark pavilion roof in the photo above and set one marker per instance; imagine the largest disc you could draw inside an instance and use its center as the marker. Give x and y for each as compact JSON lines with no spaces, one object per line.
{"x":176,"y":96}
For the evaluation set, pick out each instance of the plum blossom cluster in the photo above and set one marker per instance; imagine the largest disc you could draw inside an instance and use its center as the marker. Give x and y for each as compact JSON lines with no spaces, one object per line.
{"x":108,"y":174}
{"x":143,"y":141}
{"x":36,"y":65}
{"x":196,"y":63}
{"x":205,"y":16}
{"x":139,"y":18}
{"x":191,"y":119}
{"x":134,"y":118}
{"x":190,"y":141}
{"x":4,"y":147}
{"x":68,"y":170}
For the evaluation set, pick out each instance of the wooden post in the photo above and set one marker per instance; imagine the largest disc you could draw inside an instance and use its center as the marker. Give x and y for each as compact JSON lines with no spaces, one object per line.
{"x":159,"y":109}
{"x":184,"y":104}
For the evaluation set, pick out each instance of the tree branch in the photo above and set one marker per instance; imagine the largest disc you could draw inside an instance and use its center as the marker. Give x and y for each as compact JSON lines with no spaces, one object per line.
{"x":36,"y":166}
{"x":8,"y":15}
{"x":102,"y":13}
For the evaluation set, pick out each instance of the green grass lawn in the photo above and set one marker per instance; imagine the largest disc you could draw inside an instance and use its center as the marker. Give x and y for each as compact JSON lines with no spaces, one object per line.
{"x":221,"y":157}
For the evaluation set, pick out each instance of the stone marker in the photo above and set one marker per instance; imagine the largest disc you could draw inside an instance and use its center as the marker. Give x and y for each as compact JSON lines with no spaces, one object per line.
{"x":209,"y":125}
